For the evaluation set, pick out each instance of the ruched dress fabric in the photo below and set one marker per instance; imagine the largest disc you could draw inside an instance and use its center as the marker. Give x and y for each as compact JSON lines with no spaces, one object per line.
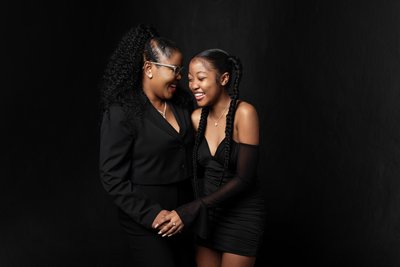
{"x":234,"y":206}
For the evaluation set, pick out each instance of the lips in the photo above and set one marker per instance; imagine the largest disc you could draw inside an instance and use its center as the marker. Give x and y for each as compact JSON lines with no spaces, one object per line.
{"x":199,"y":96}
{"x":172,"y":88}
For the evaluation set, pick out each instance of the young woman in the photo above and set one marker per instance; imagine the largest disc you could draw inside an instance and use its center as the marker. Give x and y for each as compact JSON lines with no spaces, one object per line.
{"x":146,"y":145}
{"x":225,"y":166}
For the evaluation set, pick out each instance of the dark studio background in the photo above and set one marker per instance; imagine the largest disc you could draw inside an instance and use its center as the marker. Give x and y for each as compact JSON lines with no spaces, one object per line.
{"x":324,"y":76}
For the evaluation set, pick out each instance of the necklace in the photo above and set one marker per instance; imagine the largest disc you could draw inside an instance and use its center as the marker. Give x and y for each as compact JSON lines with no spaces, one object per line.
{"x":163,"y":113}
{"x":216,"y":122}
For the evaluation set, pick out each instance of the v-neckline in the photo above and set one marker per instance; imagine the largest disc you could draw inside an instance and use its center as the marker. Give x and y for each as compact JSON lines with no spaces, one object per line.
{"x":176,"y":118}
{"x":162,"y":123}
{"x":175,"y":114}
{"x":216,"y":150}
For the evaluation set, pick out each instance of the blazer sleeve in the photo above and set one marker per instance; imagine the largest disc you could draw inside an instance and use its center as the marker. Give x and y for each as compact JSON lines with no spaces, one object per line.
{"x":116,"y":144}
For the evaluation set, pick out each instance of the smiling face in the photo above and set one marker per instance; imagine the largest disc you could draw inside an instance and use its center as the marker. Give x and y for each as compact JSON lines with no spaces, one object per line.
{"x":162,"y":80}
{"x":205,"y":82}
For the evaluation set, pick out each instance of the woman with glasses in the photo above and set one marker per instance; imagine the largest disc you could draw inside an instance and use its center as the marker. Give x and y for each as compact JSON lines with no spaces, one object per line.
{"x":229,"y":206}
{"x":146,"y":145}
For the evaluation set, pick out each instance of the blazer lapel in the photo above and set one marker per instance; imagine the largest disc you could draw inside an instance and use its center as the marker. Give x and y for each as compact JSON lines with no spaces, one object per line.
{"x":155,"y":117}
{"x":180,"y":118}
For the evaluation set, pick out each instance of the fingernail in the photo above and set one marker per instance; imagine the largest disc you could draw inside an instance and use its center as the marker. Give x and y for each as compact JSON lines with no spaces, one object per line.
{"x":160,"y":232}
{"x":155,"y":226}
{"x":169,"y":235}
{"x":164,"y":235}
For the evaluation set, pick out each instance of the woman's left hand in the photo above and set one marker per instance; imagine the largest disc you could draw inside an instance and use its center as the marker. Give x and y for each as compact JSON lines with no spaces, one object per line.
{"x":171,"y":224}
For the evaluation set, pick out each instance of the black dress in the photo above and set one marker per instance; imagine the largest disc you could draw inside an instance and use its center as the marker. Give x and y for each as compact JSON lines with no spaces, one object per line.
{"x":233,"y":207}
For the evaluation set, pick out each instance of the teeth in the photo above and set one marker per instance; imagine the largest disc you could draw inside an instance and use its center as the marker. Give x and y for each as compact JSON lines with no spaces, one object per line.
{"x":173,"y":85}
{"x":198,"y":94}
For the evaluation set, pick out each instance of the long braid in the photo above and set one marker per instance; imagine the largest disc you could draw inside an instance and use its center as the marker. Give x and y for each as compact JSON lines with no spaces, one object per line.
{"x":230,"y":117}
{"x":222,"y":62}
{"x":199,"y":137}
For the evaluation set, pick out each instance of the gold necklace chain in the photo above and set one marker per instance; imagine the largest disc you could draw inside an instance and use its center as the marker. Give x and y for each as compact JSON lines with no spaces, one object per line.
{"x":223,"y":111}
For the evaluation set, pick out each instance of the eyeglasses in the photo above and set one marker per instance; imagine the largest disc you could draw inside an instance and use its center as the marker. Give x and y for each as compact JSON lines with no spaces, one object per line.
{"x":176,"y":69}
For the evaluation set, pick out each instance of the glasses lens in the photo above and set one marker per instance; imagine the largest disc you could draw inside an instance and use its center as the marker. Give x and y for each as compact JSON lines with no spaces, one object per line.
{"x":178,"y":70}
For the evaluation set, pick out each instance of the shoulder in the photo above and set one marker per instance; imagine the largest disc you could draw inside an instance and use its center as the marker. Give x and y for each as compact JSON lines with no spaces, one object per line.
{"x":114,"y":115}
{"x":245,"y":111}
{"x":246,"y":124}
{"x":196,"y":117}
{"x":116,"y":111}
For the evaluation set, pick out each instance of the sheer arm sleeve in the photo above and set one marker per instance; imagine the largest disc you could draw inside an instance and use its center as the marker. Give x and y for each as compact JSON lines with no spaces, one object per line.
{"x":115,"y":161}
{"x":245,"y":177}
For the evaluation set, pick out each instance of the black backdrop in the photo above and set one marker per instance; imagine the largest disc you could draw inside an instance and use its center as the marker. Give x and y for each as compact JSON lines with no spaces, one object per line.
{"x":324,"y":76}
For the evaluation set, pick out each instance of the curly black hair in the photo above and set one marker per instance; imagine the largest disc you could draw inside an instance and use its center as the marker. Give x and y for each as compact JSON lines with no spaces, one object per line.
{"x":222,"y":62}
{"x":121,"y":83}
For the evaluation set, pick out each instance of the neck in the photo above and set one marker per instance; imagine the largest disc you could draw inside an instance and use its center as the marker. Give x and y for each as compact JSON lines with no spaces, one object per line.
{"x":157,"y":102}
{"x":222,"y":104}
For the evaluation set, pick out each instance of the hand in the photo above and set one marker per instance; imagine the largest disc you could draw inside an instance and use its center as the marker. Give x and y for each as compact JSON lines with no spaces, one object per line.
{"x":171,"y":224}
{"x":160,"y":218}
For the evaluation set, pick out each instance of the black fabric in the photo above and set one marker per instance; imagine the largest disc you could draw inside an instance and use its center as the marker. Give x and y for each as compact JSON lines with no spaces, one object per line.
{"x":234,"y":211}
{"x":158,"y":155}
{"x":149,"y":250}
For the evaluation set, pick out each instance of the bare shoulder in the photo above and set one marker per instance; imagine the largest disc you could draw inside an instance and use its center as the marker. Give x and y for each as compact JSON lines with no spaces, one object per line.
{"x":196,"y":118}
{"x":247,"y":124}
{"x":246,"y":111}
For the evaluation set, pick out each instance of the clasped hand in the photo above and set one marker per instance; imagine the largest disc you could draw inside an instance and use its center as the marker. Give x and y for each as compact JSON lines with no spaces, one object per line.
{"x":168,"y":223}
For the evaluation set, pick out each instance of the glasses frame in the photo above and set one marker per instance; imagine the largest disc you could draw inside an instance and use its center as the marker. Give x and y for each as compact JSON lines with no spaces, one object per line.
{"x":176,"y":69}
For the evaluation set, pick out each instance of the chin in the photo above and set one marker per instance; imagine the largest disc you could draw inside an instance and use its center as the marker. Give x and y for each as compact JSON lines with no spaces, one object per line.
{"x":202,"y":103}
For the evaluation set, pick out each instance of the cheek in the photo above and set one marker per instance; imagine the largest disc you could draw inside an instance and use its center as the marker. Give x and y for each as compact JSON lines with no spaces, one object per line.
{"x":164,"y":76}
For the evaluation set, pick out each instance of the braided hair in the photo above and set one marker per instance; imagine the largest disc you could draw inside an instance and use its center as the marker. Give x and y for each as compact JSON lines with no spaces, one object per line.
{"x":121,"y":83}
{"x":222,"y":62}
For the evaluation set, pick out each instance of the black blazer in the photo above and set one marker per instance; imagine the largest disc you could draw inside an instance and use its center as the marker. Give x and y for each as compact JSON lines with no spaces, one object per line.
{"x":157,"y":157}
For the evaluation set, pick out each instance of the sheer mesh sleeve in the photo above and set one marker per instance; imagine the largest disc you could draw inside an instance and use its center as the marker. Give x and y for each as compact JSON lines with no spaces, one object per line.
{"x":244,"y":178}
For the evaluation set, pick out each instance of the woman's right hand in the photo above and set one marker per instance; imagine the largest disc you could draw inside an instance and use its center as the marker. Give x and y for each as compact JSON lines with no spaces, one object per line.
{"x":160,"y":218}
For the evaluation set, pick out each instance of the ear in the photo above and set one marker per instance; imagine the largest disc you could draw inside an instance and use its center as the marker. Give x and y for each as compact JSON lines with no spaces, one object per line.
{"x":224,"y":79}
{"x":147,"y":70}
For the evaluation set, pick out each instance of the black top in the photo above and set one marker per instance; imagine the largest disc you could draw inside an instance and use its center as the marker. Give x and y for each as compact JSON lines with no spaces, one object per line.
{"x":158,"y":155}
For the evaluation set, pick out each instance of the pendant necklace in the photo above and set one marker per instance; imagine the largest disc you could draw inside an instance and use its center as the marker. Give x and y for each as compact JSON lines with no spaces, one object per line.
{"x":216,"y":122}
{"x":163,"y":113}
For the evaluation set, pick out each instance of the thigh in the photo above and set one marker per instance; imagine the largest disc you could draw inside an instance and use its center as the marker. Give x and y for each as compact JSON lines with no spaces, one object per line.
{"x":206,"y":257}
{"x":234,"y":260}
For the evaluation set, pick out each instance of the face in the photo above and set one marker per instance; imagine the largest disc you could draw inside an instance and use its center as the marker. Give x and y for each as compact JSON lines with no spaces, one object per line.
{"x":204,"y":82}
{"x":163,"y":80}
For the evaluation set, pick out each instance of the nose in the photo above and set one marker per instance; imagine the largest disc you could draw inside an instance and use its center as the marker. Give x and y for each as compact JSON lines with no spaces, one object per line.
{"x":193,"y":86}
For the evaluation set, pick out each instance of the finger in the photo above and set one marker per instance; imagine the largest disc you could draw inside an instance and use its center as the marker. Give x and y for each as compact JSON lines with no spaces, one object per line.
{"x":165,"y":228}
{"x":170,"y":231}
{"x":176,"y":227}
{"x":178,"y":230}
{"x":161,"y":221}
{"x":160,"y":218}
{"x":168,"y":216}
